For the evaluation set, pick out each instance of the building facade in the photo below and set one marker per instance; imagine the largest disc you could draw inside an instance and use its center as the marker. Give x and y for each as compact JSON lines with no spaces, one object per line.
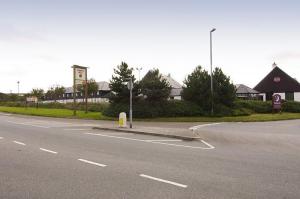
{"x":279,"y":82}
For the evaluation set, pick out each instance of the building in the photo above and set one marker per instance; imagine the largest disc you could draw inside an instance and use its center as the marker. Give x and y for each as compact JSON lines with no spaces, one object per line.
{"x":245,"y":92}
{"x":176,"y":87}
{"x":102,"y":95}
{"x":104,"y":92}
{"x":278,"y":82}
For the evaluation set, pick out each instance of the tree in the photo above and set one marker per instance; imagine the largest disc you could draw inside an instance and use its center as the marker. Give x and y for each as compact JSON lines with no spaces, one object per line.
{"x":155,"y":87}
{"x":224,"y":90}
{"x":92,"y":87}
{"x":37,"y":92}
{"x":118,"y":84}
{"x":55,"y":92}
{"x":197,"y":88}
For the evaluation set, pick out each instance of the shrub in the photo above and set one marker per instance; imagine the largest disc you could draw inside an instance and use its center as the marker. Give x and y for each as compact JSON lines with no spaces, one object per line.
{"x":144,"y":109}
{"x":255,"y":106}
{"x":290,"y":106}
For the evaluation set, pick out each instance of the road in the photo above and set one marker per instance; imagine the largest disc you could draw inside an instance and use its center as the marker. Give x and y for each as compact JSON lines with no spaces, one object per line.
{"x":60,"y":158}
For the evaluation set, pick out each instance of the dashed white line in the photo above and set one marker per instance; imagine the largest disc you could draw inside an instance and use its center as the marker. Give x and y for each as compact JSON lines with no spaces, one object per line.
{"x":156,"y":142}
{"x":1,"y":138}
{"x":93,"y":163}
{"x":49,"y":151}
{"x":39,"y":126}
{"x":164,"y":181}
{"x":20,"y":143}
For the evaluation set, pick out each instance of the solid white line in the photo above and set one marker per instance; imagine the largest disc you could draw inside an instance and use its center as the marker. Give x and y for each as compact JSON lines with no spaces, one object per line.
{"x":203,"y":125}
{"x":164,"y":140}
{"x":49,"y":151}
{"x":154,"y":142}
{"x":165,"y":181}
{"x":20,"y":143}
{"x":94,"y":163}
{"x":209,"y":145}
{"x":76,"y":129}
{"x":28,"y":124}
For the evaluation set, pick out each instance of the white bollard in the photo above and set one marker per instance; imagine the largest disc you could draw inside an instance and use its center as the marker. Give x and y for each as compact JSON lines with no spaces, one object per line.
{"x":122,"y":120}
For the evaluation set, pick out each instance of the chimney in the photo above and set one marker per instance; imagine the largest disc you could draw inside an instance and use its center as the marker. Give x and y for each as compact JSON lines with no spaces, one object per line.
{"x":169,"y":75}
{"x":274,"y":65}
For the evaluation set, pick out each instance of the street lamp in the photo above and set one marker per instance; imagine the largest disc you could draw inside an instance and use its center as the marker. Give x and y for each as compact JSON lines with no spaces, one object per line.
{"x":18,"y":82}
{"x":139,"y":69}
{"x":130,"y":87}
{"x":211,"y":73}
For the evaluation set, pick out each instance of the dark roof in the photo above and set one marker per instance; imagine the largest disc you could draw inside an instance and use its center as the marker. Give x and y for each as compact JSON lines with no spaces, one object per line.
{"x":278,"y":81}
{"x":243,"y":89}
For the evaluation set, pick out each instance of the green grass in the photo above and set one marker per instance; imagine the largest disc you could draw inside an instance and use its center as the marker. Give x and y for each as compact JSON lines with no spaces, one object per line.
{"x":60,"y":113}
{"x":65,"y":113}
{"x":251,"y":118}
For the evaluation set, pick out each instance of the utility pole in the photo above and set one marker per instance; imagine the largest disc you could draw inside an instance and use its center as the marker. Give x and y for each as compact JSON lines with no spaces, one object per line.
{"x":211,"y":73}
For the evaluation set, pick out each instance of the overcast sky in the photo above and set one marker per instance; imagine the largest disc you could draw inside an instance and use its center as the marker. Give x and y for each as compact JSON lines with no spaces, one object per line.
{"x":41,"y":39}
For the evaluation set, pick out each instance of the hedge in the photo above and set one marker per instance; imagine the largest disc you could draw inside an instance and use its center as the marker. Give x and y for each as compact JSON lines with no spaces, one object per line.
{"x":173,"y":108}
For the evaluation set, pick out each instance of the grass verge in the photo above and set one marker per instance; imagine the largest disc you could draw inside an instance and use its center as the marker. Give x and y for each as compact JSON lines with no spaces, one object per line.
{"x":65,"y":113}
{"x":60,"y":113}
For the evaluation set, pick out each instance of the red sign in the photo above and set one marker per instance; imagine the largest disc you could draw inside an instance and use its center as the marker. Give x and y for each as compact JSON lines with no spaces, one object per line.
{"x":276,"y":101}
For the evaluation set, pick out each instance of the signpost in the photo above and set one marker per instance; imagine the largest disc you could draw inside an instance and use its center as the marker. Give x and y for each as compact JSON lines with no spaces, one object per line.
{"x":130,"y":86}
{"x":276,"y":102}
{"x":79,"y":77}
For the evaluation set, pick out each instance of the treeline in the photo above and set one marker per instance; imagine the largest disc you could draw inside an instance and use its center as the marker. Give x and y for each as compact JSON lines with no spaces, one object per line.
{"x":152,"y":93}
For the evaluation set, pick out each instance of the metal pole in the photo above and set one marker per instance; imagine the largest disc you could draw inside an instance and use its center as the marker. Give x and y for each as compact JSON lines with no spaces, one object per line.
{"x":130,"y":111}
{"x":74,"y":93}
{"x":211,"y":74}
{"x":18,"y":88}
{"x":86,"y":92}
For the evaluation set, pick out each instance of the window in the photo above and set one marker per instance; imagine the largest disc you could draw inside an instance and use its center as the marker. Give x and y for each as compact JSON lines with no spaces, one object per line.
{"x":289,"y":96}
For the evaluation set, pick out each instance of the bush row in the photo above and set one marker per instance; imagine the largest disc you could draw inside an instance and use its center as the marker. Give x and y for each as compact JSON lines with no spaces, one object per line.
{"x":266,"y":107}
{"x":174,"y":108}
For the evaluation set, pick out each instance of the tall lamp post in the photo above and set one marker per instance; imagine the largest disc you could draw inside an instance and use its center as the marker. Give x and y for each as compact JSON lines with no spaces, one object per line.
{"x":211,"y":73}
{"x":139,"y":69}
{"x":18,"y":82}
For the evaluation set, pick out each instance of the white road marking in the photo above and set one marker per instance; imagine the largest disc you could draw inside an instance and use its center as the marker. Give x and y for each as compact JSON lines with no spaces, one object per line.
{"x":202,"y":125}
{"x":164,"y":140}
{"x":93,"y":163}
{"x":49,"y":151}
{"x":1,"y":138}
{"x":155,"y":142}
{"x":20,"y":143}
{"x":28,"y":124}
{"x":165,"y":181}
{"x":76,"y":129}
{"x":5,"y":114}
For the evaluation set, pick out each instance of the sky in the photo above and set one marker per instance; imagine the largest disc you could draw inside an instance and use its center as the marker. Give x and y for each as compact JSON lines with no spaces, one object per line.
{"x":41,"y":39}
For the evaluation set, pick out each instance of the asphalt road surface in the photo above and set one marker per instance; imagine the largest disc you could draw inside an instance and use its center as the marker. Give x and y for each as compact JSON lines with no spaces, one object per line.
{"x":60,"y":158}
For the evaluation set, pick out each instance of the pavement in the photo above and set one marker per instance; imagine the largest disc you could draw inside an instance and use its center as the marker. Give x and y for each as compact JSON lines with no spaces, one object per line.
{"x":65,"y":158}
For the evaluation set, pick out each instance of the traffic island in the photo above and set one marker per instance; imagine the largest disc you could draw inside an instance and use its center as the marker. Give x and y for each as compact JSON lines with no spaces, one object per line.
{"x":183,"y":134}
